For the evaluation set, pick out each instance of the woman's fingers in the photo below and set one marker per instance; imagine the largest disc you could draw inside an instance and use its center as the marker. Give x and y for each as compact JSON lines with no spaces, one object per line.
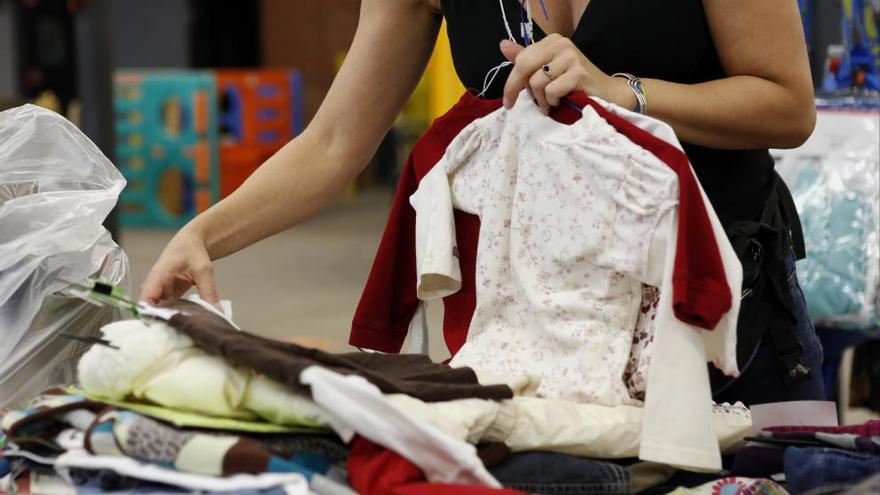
{"x":204,"y":278}
{"x":151,"y":291}
{"x":537,"y":83}
{"x":156,"y":287}
{"x":526,"y":62}
{"x":184,"y":262}
{"x":510,"y":50}
{"x":567,"y":71}
{"x":561,"y":86}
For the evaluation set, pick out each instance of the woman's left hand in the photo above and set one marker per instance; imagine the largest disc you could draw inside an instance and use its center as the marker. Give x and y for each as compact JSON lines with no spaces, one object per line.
{"x":569,"y":70}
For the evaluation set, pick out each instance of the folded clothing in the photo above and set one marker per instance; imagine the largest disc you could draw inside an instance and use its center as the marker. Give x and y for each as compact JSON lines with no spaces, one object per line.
{"x":55,"y":423}
{"x":294,"y":483}
{"x":194,"y":379}
{"x":868,"y":428}
{"x":128,"y":434}
{"x":551,"y":473}
{"x":152,"y":361}
{"x":846,"y":441}
{"x":5,"y":465}
{"x":375,"y":470}
{"x":412,"y":374}
{"x":813,"y":467}
{"x":734,"y":486}
{"x":759,"y":460}
{"x":39,"y":424}
{"x":89,"y":481}
{"x":191,"y":419}
{"x":536,"y":424}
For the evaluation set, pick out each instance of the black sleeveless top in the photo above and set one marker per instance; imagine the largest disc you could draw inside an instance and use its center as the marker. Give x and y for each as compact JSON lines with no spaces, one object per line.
{"x":658,"y":39}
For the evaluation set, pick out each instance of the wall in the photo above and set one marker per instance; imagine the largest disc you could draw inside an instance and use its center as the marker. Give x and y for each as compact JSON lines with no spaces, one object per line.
{"x":308,"y":35}
{"x":8,"y":68}
{"x":153,"y":33}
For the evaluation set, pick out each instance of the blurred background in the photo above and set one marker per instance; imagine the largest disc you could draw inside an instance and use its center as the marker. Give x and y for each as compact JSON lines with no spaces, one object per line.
{"x":188,"y":97}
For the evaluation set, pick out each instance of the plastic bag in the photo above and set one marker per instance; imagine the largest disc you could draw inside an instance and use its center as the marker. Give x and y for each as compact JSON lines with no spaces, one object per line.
{"x":56,"y":189}
{"x":835,"y":182}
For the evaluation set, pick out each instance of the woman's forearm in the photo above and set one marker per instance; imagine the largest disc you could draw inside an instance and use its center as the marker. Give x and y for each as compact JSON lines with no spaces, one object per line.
{"x":737,"y":112}
{"x":389,"y":52}
{"x":291,"y":186}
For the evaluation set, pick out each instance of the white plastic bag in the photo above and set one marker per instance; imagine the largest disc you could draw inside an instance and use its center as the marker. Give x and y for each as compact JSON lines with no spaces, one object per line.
{"x":56,"y":189}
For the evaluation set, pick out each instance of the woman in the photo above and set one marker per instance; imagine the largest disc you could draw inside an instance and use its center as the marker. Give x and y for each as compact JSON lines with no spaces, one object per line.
{"x":731,"y":78}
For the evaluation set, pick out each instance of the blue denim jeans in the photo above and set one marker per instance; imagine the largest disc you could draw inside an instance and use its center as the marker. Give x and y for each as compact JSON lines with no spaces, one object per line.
{"x":551,"y":473}
{"x":812,"y":467}
{"x":763,"y":378}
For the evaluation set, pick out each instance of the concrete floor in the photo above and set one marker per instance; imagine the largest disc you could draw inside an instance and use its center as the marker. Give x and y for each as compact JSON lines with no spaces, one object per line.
{"x":302,"y":284}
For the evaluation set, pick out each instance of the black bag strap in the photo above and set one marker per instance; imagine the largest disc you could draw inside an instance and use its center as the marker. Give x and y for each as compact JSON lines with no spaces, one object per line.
{"x":781,"y":213}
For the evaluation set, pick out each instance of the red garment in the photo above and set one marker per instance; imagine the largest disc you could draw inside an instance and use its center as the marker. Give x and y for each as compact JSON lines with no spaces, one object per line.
{"x":700,"y":292}
{"x":869,"y":428}
{"x":375,"y":470}
{"x":389,"y":300}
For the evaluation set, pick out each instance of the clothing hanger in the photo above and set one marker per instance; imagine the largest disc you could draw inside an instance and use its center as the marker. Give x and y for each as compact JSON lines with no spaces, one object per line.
{"x":102,"y":293}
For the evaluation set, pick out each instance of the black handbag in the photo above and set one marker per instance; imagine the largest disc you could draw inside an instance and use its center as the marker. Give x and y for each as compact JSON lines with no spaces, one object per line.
{"x":767,"y":308}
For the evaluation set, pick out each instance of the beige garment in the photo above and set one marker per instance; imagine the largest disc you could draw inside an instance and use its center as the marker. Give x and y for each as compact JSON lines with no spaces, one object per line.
{"x":531,"y":423}
{"x":154,"y":362}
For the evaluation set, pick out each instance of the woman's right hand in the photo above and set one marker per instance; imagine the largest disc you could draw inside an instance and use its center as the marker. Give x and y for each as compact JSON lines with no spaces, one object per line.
{"x":184,"y":262}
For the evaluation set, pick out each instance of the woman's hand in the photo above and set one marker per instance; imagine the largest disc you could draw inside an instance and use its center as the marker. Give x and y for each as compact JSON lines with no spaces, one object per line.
{"x":569,"y":71}
{"x":184,"y":262}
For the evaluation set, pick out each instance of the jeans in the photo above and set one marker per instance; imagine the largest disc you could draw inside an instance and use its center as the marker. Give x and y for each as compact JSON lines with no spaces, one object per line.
{"x":812,"y":467}
{"x":763,"y":378}
{"x":552,"y":473}
{"x":835,"y":342}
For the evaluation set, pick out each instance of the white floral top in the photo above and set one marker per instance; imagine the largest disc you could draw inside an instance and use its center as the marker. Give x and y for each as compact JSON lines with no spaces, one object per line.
{"x":574,"y":222}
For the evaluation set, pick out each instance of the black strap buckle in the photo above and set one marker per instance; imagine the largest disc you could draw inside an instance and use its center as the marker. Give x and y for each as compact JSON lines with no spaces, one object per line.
{"x":794,"y":367}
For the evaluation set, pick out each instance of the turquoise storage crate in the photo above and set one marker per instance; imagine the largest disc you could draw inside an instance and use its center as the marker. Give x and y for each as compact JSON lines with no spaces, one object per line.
{"x":166,"y":135}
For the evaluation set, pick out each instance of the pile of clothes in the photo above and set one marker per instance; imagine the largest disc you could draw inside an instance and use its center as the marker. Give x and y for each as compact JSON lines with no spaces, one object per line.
{"x":181,"y":400}
{"x":186,"y":402}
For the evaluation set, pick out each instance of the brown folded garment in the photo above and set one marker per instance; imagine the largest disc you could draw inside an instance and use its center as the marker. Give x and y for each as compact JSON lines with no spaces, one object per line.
{"x":411,"y":374}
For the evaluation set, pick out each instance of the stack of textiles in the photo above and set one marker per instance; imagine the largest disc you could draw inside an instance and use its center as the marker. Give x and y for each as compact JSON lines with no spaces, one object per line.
{"x":89,"y":446}
{"x":815,"y":459}
{"x":549,"y":390}
{"x":192,"y":403}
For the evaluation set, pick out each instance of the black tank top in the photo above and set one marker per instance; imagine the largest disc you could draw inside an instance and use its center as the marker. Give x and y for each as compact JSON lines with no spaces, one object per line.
{"x":668,"y":40}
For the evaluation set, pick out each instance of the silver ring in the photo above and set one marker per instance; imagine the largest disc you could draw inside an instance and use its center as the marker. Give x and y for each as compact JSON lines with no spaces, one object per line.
{"x":547,"y":72}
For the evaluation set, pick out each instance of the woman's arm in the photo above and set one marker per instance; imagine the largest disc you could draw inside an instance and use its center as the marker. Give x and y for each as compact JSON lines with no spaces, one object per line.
{"x":390,"y":50}
{"x":766,"y":102}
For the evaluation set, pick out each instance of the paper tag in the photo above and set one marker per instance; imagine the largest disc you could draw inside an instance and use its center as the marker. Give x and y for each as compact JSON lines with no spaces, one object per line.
{"x":794,"y":413}
{"x":145,"y":309}
{"x":224,"y":303}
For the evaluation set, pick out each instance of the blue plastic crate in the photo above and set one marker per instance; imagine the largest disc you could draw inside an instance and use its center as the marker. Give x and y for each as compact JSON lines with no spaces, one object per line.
{"x":166,"y":145}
